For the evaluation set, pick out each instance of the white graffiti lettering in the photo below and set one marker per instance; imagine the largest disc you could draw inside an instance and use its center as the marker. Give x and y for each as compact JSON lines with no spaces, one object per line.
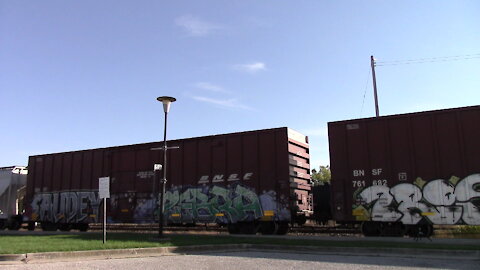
{"x":467,"y":191}
{"x":438,"y":201}
{"x":381,"y":199}
{"x":66,"y":207}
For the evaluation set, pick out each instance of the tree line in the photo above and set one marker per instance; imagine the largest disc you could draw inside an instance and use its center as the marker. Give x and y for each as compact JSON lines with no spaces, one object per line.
{"x":322,"y":176}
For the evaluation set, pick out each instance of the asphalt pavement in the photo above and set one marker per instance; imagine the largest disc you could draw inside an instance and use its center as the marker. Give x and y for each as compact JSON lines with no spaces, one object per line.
{"x":255,"y":259}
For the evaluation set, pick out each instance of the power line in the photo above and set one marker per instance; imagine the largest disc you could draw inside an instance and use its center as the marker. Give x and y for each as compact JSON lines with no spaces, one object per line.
{"x":365,"y":91}
{"x":428,"y":60}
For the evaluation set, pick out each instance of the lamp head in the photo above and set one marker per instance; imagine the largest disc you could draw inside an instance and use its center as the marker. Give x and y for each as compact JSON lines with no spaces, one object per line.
{"x":166,"y":102}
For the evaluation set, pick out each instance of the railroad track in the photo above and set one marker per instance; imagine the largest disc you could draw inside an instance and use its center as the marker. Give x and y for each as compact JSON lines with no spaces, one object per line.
{"x":216,"y":228}
{"x":324,"y":230}
{"x":154,"y":227}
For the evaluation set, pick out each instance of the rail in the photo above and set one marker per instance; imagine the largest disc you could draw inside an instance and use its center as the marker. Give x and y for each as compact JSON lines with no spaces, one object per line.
{"x":216,"y":228}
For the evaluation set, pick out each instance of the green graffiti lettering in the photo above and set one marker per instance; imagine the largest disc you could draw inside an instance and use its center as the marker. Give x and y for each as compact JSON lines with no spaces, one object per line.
{"x":187,"y":202}
{"x":222,"y":202}
{"x":204,"y":210}
{"x":196,"y":204}
{"x":247,"y":201}
{"x":172,"y":199}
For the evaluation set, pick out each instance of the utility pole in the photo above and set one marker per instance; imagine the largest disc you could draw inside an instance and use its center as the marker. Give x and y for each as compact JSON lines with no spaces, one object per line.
{"x":372,"y":62}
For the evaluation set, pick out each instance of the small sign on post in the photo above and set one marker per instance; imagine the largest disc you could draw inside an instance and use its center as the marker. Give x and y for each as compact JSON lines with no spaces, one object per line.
{"x":104,"y":187}
{"x":104,"y":193}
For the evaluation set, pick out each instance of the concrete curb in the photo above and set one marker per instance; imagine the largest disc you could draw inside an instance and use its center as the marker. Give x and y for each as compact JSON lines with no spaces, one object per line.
{"x":114,"y":253}
{"x":164,"y":251}
{"x":12,"y":257}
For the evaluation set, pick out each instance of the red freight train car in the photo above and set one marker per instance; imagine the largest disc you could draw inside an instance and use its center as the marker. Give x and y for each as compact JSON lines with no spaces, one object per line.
{"x":250,"y":181}
{"x":402,"y":173}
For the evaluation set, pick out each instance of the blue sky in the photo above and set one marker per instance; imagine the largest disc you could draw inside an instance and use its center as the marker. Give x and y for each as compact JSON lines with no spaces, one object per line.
{"x":85,"y":74}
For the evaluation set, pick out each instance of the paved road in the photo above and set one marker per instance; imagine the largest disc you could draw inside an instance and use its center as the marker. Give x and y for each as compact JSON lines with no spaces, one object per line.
{"x":258,"y":260}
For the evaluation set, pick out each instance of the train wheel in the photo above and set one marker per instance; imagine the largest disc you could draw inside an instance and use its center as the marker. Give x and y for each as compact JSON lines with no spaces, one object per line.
{"x":394,"y":229}
{"x":31,"y":226}
{"x":371,"y":228}
{"x":268,"y":227}
{"x":283,"y":228}
{"x":65,"y":227}
{"x":248,"y":228}
{"x":300,"y":220}
{"x":233,"y":228}
{"x":14,"y":225}
{"x":83,"y":227}
{"x":49,"y":226}
{"x":419,"y":231}
{"x":430,"y":230}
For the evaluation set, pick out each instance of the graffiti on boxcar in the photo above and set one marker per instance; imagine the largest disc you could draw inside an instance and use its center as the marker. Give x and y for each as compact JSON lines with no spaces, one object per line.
{"x":188,"y":204}
{"x":206,"y":204}
{"x":66,"y":207}
{"x":213,"y":204}
{"x":453,"y":201}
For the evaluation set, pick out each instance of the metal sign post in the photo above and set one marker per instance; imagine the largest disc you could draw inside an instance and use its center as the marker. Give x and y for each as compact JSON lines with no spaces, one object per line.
{"x":104,"y":193}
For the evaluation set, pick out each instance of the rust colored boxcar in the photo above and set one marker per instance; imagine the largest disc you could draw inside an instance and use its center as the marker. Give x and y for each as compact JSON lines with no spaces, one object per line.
{"x":403,"y":173}
{"x":250,"y":181}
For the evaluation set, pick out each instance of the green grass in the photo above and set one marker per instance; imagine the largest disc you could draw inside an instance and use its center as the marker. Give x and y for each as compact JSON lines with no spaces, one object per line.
{"x":16,"y":244}
{"x":467,"y":229}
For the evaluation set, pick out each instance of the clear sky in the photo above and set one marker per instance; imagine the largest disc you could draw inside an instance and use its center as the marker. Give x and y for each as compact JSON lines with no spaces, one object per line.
{"x":85,"y":74}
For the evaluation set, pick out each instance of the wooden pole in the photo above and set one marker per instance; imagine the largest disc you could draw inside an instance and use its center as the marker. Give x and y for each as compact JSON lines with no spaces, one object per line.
{"x":372,"y":63}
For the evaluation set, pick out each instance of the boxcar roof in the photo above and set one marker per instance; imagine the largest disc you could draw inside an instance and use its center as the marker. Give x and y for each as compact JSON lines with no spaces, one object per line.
{"x":170,"y":141}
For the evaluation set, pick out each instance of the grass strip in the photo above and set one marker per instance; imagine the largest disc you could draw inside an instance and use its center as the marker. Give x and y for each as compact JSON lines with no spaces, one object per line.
{"x":466,"y":229}
{"x":18,"y":244}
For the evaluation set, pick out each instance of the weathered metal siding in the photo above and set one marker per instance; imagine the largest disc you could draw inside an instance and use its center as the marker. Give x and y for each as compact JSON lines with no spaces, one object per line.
{"x":377,"y":163}
{"x":207,"y":176}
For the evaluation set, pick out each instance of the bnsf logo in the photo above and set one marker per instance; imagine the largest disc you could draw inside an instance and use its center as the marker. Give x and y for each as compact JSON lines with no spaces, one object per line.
{"x":221,"y":178}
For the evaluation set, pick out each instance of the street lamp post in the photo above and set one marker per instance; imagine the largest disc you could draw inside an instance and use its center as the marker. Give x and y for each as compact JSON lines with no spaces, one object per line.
{"x":166,"y":107}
